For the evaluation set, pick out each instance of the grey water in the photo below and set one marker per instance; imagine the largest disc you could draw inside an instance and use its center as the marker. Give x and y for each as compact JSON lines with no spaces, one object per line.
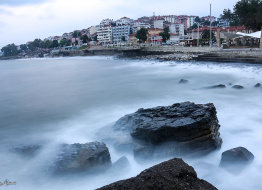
{"x":67,"y":100}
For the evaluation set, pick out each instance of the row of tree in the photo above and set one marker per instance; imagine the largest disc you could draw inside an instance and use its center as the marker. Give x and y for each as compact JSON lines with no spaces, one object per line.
{"x":12,"y":49}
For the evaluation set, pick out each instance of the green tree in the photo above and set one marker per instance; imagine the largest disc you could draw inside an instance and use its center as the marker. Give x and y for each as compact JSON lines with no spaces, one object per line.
{"x":10,"y":50}
{"x":62,"y":42}
{"x":197,"y":19}
{"x":95,"y":38}
{"x":123,"y":38}
{"x":55,"y":43}
{"x":215,"y":23}
{"x":47,"y":44}
{"x":165,"y":34}
{"x":84,"y":38}
{"x":76,"y":34}
{"x":141,"y":35}
{"x":206,"y":34}
{"x":23,"y":47}
{"x":249,"y":13}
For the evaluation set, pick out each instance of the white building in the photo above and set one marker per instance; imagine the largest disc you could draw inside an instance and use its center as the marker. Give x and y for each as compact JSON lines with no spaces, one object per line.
{"x":169,"y":18}
{"x":177,"y":28}
{"x":104,"y":35}
{"x":223,"y":23}
{"x":190,"y":21}
{"x":124,"y":21}
{"x":107,"y":21}
{"x":174,"y":39}
{"x":92,"y":30}
{"x":159,"y":23}
{"x":138,"y":25}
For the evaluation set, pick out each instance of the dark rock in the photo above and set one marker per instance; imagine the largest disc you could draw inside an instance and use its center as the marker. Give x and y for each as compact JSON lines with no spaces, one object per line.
{"x":178,"y":130}
{"x":236,"y":159}
{"x":237,"y":87}
{"x":183,"y":81}
{"x":172,"y":174}
{"x":257,"y":85}
{"x":89,"y":157}
{"x":26,"y":150}
{"x":230,"y":84}
{"x":216,"y":86}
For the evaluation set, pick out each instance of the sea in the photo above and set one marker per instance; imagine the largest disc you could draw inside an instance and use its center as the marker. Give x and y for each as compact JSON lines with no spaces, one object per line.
{"x":49,"y":101}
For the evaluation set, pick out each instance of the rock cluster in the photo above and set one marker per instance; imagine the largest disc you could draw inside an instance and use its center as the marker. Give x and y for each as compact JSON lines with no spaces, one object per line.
{"x":172,"y":174}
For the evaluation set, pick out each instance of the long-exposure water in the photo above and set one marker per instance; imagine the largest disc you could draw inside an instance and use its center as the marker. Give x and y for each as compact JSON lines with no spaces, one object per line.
{"x":67,"y":100}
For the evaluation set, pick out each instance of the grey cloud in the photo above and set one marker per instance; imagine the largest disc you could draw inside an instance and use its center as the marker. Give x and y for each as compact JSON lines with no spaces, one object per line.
{"x":20,"y":2}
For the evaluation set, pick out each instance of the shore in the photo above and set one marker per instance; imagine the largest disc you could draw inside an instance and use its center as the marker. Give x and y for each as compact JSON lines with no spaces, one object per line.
{"x":165,"y":53}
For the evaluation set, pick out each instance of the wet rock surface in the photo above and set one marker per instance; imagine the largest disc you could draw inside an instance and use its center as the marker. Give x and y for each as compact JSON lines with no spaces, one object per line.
{"x":216,"y":86}
{"x":172,"y":174}
{"x":257,"y":85}
{"x":88,"y":157}
{"x":236,"y":159}
{"x":183,"y":129}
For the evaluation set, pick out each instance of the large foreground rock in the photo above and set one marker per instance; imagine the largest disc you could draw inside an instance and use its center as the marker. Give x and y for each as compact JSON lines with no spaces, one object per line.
{"x":89,"y":157}
{"x":183,"y":129}
{"x":172,"y":174}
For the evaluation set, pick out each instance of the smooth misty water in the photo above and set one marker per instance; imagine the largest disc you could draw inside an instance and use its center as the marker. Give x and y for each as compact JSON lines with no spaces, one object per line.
{"x":51,"y":101}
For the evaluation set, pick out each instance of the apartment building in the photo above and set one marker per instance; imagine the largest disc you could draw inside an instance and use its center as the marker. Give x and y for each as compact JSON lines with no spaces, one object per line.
{"x":124,"y":21}
{"x":104,"y":34}
{"x":120,"y":32}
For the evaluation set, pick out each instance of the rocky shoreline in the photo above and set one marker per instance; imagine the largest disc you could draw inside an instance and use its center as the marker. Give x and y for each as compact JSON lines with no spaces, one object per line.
{"x":184,"y":130}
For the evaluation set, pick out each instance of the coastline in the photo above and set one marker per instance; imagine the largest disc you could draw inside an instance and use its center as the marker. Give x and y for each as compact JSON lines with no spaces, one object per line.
{"x":164,"y":53}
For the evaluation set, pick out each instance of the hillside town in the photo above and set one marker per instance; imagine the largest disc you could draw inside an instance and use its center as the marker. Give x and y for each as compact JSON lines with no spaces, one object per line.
{"x":180,"y":30}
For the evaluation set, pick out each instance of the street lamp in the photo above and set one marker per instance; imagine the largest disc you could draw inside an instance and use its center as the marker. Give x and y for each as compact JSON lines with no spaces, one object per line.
{"x":198,"y":34}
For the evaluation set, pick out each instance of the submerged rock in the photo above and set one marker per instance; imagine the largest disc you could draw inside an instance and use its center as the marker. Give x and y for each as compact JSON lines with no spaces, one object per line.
{"x":183,"y":129}
{"x":237,"y":87}
{"x":257,"y":85}
{"x":172,"y":174}
{"x":120,"y":166}
{"x":88,"y":157}
{"x":216,"y":86}
{"x":26,"y":150}
{"x":183,"y":81}
{"x":236,"y":159}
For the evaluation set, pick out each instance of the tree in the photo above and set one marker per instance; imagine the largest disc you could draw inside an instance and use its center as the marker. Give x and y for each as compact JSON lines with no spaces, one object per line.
{"x":10,"y":50}
{"x":76,"y":34}
{"x":249,"y":13}
{"x":84,"y":38}
{"x":123,"y":38}
{"x":23,"y":47}
{"x":206,"y":34}
{"x":215,"y":23}
{"x":141,"y":35}
{"x":231,"y":17}
{"x":62,"y":42}
{"x":165,"y":35}
{"x":47,"y":44}
{"x":54,"y":43}
{"x":197,"y":19}
{"x":95,"y":38}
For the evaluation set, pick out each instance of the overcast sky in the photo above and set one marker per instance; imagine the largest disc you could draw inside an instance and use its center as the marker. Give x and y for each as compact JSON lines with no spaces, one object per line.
{"x":24,"y":20}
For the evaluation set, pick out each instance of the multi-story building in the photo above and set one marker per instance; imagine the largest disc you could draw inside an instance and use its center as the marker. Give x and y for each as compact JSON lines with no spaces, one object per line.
{"x":124,"y":21}
{"x":106,"y":22}
{"x":138,"y":25}
{"x":159,"y":23}
{"x":190,"y":21}
{"x":120,"y":32}
{"x":153,"y":35}
{"x":182,"y":19}
{"x":169,"y":18}
{"x":104,"y":34}
{"x":177,"y":28}
{"x":223,"y":23}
